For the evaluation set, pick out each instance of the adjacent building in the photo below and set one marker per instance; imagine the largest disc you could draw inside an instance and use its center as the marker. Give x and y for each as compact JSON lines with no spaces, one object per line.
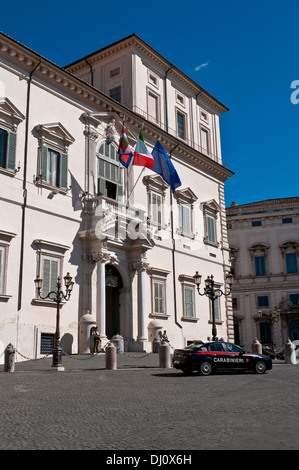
{"x":264,"y":244}
{"x":67,"y":205}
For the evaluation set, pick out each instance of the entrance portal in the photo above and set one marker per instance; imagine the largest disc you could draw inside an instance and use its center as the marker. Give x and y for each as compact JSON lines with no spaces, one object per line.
{"x":294,"y":331}
{"x":113,"y":285}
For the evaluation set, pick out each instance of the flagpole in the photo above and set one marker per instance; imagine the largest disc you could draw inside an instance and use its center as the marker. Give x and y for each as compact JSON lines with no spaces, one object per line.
{"x":135,"y":184}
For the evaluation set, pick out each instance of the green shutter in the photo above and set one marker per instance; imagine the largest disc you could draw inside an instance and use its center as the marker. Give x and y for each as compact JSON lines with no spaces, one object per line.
{"x":101,"y":187}
{"x":211,"y":229}
{"x":188,"y":302}
{"x":63,"y":170}
{"x":11,"y":150}
{"x":44,"y":163}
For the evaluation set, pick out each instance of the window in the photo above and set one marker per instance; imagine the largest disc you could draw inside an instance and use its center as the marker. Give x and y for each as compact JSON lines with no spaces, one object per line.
{"x":256,"y":223}
{"x":2,"y":268}
{"x":156,"y":208}
{"x":189,"y":302}
{"x":290,"y":252}
{"x":291,"y":263}
{"x":158,"y":291}
{"x":54,"y":140}
{"x":49,"y":273}
{"x":186,"y":219}
{"x":294,"y":298}
{"x":114,"y":72}
{"x":287,"y":220}
{"x":115,"y":93}
{"x":217,"y":308}
{"x":5,"y":240}
{"x":211,"y":229}
{"x":159,"y":297}
{"x":110,"y":172}
{"x":46,"y":343}
{"x":263,"y":301}
{"x":265,"y":332}
{"x":204,"y":138}
{"x":10,"y":118}
{"x":210,"y":210}
{"x":54,"y":168}
{"x":50,"y":258}
{"x":185,"y":199}
{"x":259,"y":262}
{"x":181,"y":125}
{"x":259,"y":259}
{"x":152,"y":107}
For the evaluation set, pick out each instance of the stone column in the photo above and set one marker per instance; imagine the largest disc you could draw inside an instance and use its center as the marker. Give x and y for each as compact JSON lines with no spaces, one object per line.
{"x":142,"y":331}
{"x":142,"y":343}
{"x":101,"y":259}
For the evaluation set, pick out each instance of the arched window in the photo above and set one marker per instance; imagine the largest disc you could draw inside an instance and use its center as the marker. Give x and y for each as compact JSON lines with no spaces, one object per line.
{"x":110,"y":172}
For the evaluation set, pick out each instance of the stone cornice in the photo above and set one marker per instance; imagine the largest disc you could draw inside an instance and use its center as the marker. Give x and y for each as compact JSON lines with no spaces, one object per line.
{"x":154,"y":56}
{"x":32,"y":64}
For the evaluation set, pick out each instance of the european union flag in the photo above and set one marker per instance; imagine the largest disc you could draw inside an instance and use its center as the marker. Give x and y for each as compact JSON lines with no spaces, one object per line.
{"x":164,"y":166}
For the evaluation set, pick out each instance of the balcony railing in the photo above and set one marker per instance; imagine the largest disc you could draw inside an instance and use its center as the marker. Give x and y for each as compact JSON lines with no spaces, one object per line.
{"x":175,"y":134}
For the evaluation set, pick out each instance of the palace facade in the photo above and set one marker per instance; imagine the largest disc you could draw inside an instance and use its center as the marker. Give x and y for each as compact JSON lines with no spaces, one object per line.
{"x":264,"y":243}
{"x":67,"y":205}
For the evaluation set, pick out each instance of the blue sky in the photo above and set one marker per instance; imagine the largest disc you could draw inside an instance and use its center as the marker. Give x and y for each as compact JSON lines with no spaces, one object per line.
{"x":244,"y":52}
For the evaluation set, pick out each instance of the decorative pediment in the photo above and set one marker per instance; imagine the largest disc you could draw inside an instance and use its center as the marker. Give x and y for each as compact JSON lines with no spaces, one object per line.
{"x":211,"y":206}
{"x":10,"y":116}
{"x":185,"y":195}
{"x":155,"y":183}
{"x":289,"y":245}
{"x":54,"y":133}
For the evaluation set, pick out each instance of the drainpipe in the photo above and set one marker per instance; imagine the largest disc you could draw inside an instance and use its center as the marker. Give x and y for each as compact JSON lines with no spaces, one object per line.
{"x":173,"y":255}
{"x":91,"y":71}
{"x":166,"y":101}
{"x":25,"y":188}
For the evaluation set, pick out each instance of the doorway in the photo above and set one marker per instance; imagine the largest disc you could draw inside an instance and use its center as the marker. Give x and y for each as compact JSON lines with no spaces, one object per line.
{"x":113,"y":283}
{"x":294,"y":331}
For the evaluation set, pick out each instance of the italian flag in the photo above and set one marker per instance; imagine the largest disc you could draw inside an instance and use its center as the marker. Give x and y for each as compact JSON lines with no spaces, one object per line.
{"x":142,"y":156}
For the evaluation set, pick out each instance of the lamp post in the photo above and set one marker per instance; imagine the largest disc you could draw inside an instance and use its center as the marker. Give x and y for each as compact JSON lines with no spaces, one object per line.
{"x":57,"y":296}
{"x":272,"y":316}
{"x":213,"y":293}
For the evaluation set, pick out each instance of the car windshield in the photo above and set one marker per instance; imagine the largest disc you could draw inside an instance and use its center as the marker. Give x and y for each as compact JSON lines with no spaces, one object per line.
{"x":194,"y":346}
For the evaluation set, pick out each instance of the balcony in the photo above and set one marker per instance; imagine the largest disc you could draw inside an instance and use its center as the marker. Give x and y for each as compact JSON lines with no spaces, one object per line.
{"x":115,"y":221}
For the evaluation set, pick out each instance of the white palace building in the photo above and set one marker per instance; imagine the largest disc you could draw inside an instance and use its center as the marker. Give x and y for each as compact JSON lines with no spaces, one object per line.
{"x":67,"y":205}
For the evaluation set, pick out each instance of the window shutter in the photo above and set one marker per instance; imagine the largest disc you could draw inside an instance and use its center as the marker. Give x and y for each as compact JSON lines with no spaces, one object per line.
{"x":44,"y":163}
{"x":188,"y":302}
{"x":63,"y":170}
{"x":49,"y":275}
{"x":211,"y":229}
{"x":186,"y":222}
{"x":46,"y":277}
{"x":1,"y":269}
{"x":54,"y":274}
{"x":101,"y":187}
{"x":11,"y":150}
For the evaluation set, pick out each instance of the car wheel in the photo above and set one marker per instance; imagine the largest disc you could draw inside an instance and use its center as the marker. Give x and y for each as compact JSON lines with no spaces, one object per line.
{"x":206,"y":368}
{"x":260,"y":367}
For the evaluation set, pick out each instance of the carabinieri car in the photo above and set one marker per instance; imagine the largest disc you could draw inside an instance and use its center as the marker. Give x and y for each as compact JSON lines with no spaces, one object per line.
{"x":217,"y":356}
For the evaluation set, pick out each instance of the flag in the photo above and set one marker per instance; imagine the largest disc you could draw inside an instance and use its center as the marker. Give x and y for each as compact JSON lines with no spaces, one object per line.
{"x":125,"y":152}
{"x":164,"y":166}
{"x":142,"y":156}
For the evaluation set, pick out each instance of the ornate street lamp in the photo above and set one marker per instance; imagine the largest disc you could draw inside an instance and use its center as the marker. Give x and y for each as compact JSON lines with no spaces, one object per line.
{"x":57,"y":296}
{"x":213,"y":293}
{"x":272,"y":316}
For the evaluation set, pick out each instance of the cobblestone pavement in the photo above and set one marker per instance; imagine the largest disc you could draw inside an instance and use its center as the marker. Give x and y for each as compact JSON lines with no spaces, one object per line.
{"x":140,"y":406}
